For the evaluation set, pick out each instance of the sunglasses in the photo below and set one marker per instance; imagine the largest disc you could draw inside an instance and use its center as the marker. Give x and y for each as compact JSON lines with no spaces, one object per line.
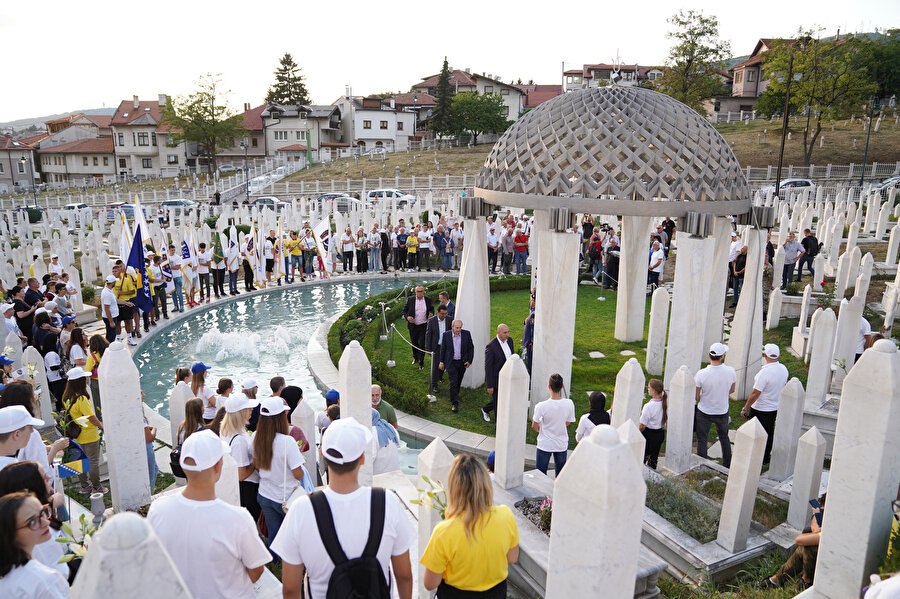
{"x":35,"y":521}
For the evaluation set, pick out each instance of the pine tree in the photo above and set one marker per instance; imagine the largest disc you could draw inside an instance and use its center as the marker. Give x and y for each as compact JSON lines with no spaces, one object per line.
{"x":289,"y":88}
{"x":441,"y":122}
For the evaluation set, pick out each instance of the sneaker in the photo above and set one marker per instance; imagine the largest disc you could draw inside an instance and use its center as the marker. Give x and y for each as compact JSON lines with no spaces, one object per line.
{"x":131,"y":341}
{"x":432,"y":399}
{"x":207,"y":300}
{"x":101,"y":489}
{"x":485,"y":416}
{"x":137,"y":334}
{"x":85,"y":489}
{"x":454,"y":409}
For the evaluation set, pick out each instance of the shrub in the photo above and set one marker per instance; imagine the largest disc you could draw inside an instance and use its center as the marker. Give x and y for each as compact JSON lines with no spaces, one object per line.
{"x":245,"y":229}
{"x":34,"y":215}
{"x":354,"y":330}
{"x":794,"y":288}
{"x":435,"y":216}
{"x":88,"y":293}
{"x":211,"y":221}
{"x":676,"y":503}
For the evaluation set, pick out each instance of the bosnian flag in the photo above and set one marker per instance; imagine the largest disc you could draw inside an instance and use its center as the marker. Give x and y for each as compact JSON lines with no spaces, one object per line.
{"x":144,"y":298}
{"x":322,"y":235}
{"x":189,"y":260}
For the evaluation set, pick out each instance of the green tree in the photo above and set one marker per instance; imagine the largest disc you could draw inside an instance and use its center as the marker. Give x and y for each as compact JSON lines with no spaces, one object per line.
{"x":690,"y":74}
{"x":831,"y":79}
{"x":289,"y":88}
{"x":476,"y":114}
{"x":441,"y":121}
{"x":885,"y":63}
{"x":205,"y":118}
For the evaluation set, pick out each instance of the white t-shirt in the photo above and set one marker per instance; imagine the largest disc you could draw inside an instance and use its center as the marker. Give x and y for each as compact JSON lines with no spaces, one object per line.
{"x":211,"y":543}
{"x":204,"y":393}
{"x":660,"y":256}
{"x":715,"y":383}
{"x":6,"y":460}
{"x":769,"y":381}
{"x":269,"y":249}
{"x":347,"y":244}
{"x":864,"y":329}
{"x":652,"y":414}
{"x":51,"y":360}
{"x":298,"y":540}
{"x":277,"y":483}
{"x":175,"y":266}
{"x":554,"y":414}
{"x":76,"y":353}
{"x":34,"y":580}
{"x":57,"y":268}
{"x":220,"y":403}
{"x":242,"y":452}
{"x":49,"y":552}
{"x":204,"y":257}
{"x":12,"y":326}
{"x":108,"y":298}
{"x":584,"y":428}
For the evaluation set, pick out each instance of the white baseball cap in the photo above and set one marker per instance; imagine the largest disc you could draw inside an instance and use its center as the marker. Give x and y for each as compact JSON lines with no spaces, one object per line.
{"x":111,"y":279}
{"x":205,"y":448}
{"x":5,"y":307}
{"x":77,"y":373}
{"x":12,"y":418}
{"x":345,"y":440}
{"x":249,"y":384}
{"x":52,"y":256}
{"x":238,"y":402}
{"x":718,"y":349}
{"x":771,"y":350}
{"x":272,"y":406}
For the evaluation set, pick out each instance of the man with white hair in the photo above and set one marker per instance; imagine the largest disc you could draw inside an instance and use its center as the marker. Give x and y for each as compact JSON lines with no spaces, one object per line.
{"x":657,"y":263}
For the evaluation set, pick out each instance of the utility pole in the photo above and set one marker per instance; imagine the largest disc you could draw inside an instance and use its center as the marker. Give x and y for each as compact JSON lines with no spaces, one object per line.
{"x":874,"y":106}
{"x":784,"y":125}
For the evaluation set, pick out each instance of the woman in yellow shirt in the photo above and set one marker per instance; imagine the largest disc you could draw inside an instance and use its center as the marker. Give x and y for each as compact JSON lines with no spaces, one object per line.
{"x":469,"y":553}
{"x":412,"y":250}
{"x":76,"y":403}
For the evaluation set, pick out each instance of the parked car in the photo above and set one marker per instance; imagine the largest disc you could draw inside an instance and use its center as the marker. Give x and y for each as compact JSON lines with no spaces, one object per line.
{"x":339,"y":202}
{"x":884,"y":188}
{"x":78,"y":206}
{"x":791,"y":184}
{"x":388,"y":195}
{"x":178,"y":203}
{"x":227,"y":169}
{"x":268,"y":202}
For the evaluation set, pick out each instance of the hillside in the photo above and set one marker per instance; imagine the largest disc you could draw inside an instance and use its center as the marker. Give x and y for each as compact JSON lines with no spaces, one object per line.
{"x":20,"y":124}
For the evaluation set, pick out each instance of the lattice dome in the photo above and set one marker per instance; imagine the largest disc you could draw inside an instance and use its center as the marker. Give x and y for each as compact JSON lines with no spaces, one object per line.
{"x":623,"y":149}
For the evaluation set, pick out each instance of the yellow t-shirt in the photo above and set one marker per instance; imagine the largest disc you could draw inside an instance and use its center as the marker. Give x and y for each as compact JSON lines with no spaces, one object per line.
{"x":412,"y":246}
{"x":126,"y":288}
{"x":82,"y":406}
{"x":293,"y":246}
{"x":475,"y":564}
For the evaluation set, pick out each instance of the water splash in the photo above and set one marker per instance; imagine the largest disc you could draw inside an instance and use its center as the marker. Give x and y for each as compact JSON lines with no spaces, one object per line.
{"x":233,"y":344}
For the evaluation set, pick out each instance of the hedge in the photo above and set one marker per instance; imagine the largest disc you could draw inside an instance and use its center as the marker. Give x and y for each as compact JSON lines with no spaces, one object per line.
{"x":364,"y":323}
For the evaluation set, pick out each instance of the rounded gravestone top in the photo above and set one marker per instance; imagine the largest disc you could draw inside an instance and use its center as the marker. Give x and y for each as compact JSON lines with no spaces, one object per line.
{"x":885,"y":346}
{"x":623,"y":150}
{"x":604,"y":435}
{"x":124,"y":531}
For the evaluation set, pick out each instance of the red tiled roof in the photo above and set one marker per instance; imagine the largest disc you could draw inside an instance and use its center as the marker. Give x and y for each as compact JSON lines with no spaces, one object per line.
{"x":8,"y":143}
{"x":294,"y":148}
{"x":253,"y":118}
{"x":92,"y":145}
{"x":538,"y":94}
{"x":101,"y":120}
{"x":573,"y":72}
{"x":753,"y":60}
{"x":414,"y":99}
{"x":34,"y":139}
{"x":456,"y":76}
{"x":126,"y":112}
{"x":64,"y":119}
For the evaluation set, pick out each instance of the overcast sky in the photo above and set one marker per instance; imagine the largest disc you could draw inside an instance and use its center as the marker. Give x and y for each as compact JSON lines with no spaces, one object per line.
{"x":62,"y":56}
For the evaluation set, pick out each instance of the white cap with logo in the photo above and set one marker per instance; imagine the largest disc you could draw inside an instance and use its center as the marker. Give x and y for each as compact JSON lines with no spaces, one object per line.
{"x":12,"y":418}
{"x":205,"y":448}
{"x":345,"y":440}
{"x":770,"y":350}
{"x":718,"y":349}
{"x":238,"y":402}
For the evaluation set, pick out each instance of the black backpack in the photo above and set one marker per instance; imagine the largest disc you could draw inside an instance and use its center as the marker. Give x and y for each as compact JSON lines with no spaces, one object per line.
{"x":360,"y":577}
{"x":594,"y":251}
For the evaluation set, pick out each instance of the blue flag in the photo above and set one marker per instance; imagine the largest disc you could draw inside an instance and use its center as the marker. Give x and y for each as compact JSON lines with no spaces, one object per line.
{"x":75,"y":461}
{"x":143,"y":299}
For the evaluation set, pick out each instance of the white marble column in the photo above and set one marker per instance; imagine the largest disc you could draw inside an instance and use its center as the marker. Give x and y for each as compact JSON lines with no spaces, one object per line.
{"x":628,"y":395}
{"x":512,"y":418}
{"x":745,"y":341}
{"x":740,"y":490}
{"x":680,"y":428}
{"x":554,"y":317}
{"x":807,"y":477}
{"x":32,"y":359}
{"x":631,"y":435}
{"x":304,"y":418}
{"x":690,"y":303}
{"x":632,"y":296}
{"x":864,"y":474}
{"x":473,"y":297}
{"x":355,"y":387}
{"x":179,"y":396}
{"x":719,"y":283}
{"x":434,"y":462}
{"x":787,"y":430}
{"x":656,"y":336}
{"x":600,"y":484}
{"x":123,"y":429}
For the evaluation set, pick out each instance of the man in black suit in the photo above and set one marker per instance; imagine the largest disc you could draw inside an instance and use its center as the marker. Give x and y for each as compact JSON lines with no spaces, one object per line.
{"x":434,"y":334}
{"x":417,"y":311}
{"x":444,"y":298}
{"x":496,"y":353}
{"x":457,"y":353}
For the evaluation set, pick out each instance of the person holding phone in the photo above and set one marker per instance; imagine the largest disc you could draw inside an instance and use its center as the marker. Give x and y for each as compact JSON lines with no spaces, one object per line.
{"x":802,"y":560}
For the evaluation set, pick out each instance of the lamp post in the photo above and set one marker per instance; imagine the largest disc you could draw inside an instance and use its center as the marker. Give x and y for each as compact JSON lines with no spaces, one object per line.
{"x":246,"y":179}
{"x":23,"y":160}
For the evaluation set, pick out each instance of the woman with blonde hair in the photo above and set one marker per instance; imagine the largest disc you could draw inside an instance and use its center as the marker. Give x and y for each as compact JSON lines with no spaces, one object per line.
{"x":233,"y":431}
{"x":199,"y":389}
{"x":469,"y":553}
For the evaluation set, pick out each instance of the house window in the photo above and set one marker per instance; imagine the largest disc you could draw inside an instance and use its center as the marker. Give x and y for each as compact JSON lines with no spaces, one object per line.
{"x":399,"y":125}
{"x":504,"y":92}
{"x":367,"y":124}
{"x":96,"y":161}
{"x":506,"y":111}
{"x":84,"y":161}
{"x":172,"y":159}
{"x":147,"y":163}
{"x":153,"y":137}
{"x":281,"y":135}
{"x":738,"y":77}
{"x":106,"y":163}
{"x":21,"y":168}
{"x":143,"y":139}
{"x":301,"y":135}
{"x":1,"y":167}
{"x":121,"y":139}
{"x":488,"y":89}
{"x":121,"y":163}
{"x":254,"y":142}
{"x":751,"y":76}
{"x":384,"y":124}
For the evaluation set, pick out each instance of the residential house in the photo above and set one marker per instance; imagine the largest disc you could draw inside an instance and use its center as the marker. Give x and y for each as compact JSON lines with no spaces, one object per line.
{"x":466,"y":81}
{"x":749,"y":81}
{"x":255,"y":140}
{"x":599,"y":75}
{"x":422,"y":105}
{"x":75,"y":127}
{"x":295,"y":132}
{"x":16,"y":165}
{"x":144,"y":146}
{"x":369,"y":123}
{"x":535,"y":95}
{"x":82,"y":162}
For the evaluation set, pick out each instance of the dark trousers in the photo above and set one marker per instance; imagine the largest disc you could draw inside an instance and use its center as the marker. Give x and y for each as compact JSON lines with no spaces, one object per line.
{"x":417,"y":338}
{"x":808,"y":261}
{"x":385,"y":253}
{"x":787,"y":274}
{"x":653,"y":278}
{"x":506,"y":263}
{"x":348,"y":261}
{"x":219,"y":281}
{"x":654,"y":440}
{"x":110,"y":328}
{"x":401,"y":258}
{"x":801,"y":561}
{"x":767,"y":420}
{"x":204,"y":284}
{"x":159,"y":301}
{"x":455,"y":372}
{"x":542,"y":460}
{"x":702,"y":424}
{"x":248,"y":276}
{"x":492,"y":258}
{"x":362,"y":260}
{"x":491,"y":405}
{"x":57,"y":388}
{"x":436,"y":373}
{"x":445,"y":591}
{"x":249,"y":491}
{"x":232,"y":282}
{"x":424,"y":259}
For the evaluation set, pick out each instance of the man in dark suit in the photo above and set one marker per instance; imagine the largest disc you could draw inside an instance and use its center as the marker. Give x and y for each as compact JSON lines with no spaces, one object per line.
{"x":417,"y":311}
{"x":434,"y":334}
{"x":457,"y":353}
{"x":444,"y":298}
{"x":496,"y":353}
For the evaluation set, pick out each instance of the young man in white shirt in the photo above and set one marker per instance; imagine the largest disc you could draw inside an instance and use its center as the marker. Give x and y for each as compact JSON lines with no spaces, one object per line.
{"x":204,"y":258}
{"x":762,"y":403}
{"x":214,"y":545}
{"x":715,"y":384}
{"x":177,"y":279}
{"x":348,"y":248}
{"x":299,"y":543}
{"x":551,"y":420}
{"x":109,"y":308}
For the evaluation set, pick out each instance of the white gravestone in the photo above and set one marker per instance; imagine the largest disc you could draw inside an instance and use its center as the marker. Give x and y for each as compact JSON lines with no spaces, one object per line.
{"x":861,"y":288}
{"x":847,"y":335}
{"x":745,"y":341}
{"x":434,"y":462}
{"x":355,"y":387}
{"x":179,"y":396}
{"x":680,"y":427}
{"x":864,"y":472}
{"x":807,"y":477}
{"x":774,"y":314}
{"x":512,"y":414}
{"x":304,"y":418}
{"x":787,"y":430}
{"x":601,"y":484}
{"x":631,"y":435}
{"x":722,"y":234}
{"x":33,"y":360}
{"x":740,"y":490}
{"x":818,"y":380}
{"x":13,"y":350}
{"x":656,"y":337}
{"x":628,"y":394}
